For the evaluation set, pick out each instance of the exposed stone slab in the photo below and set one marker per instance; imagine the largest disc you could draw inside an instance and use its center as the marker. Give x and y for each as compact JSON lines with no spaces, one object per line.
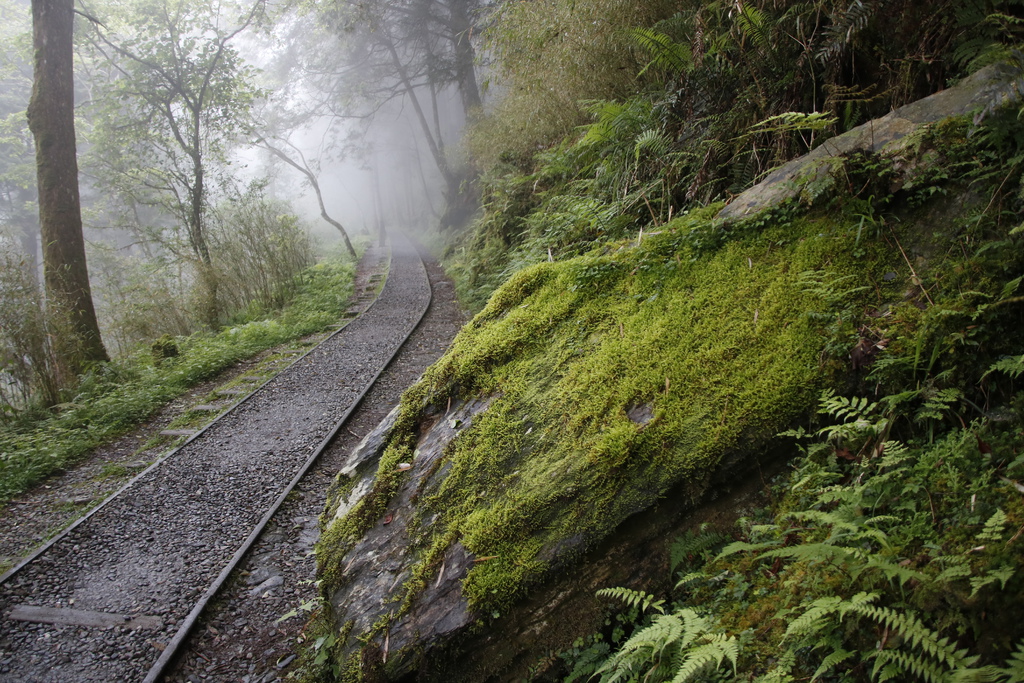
{"x":372,"y":444}
{"x":177,"y":432}
{"x":377,"y":567}
{"x":76,"y":617}
{"x":983,"y":90}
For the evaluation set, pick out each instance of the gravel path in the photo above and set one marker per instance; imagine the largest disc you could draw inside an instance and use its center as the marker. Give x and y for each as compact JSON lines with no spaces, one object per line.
{"x":153,"y":549}
{"x":239,"y":638}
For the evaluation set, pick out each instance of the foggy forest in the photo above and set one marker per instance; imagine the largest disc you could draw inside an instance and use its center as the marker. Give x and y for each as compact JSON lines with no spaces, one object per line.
{"x":511,"y":340}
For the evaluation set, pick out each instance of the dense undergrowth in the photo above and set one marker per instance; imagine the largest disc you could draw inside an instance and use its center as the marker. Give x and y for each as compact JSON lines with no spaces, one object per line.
{"x":620,"y":115}
{"x":645,"y":366}
{"x":113,"y":397}
{"x":878,"y":559}
{"x":892,"y":551}
{"x":631,"y":346}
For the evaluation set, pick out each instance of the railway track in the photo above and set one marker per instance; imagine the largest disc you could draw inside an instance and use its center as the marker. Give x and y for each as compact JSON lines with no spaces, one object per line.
{"x":116,"y":594}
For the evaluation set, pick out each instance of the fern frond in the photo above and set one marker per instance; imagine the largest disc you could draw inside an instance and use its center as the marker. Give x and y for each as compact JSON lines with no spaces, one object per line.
{"x":813,"y":620}
{"x":665,"y":53}
{"x":792,"y":121}
{"x":782,"y":673}
{"x":639,"y":599}
{"x":844,"y":28}
{"x":718,"y":649}
{"x":1011,"y":365}
{"x":1015,"y":664}
{"x":892,"y":571}
{"x":743,"y":546}
{"x":756,"y":27}
{"x":833,"y":659}
{"x":663,"y":631}
{"x":913,"y":630}
{"x":692,"y":577}
{"x":904,"y":663}
{"x":994,"y":528}
{"x":958,"y":569}
{"x":815,"y":552}
{"x":1002,"y":575}
{"x":694,"y":545}
{"x":986,"y":674}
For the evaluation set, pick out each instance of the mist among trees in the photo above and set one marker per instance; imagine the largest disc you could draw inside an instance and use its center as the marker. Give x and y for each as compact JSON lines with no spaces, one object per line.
{"x":221,"y":150}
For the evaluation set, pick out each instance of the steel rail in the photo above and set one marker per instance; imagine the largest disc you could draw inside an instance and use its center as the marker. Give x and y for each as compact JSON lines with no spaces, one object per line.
{"x":179,"y":639}
{"x":173,"y":647}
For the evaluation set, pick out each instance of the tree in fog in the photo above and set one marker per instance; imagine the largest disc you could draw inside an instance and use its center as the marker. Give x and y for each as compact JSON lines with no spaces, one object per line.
{"x":17,"y":156}
{"x":51,"y":120}
{"x":294,"y":158}
{"x":410,"y":52}
{"x":178,"y":96}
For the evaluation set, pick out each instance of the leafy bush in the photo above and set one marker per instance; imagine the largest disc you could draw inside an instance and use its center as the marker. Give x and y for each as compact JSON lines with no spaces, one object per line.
{"x":114,"y":397}
{"x":260,"y":254}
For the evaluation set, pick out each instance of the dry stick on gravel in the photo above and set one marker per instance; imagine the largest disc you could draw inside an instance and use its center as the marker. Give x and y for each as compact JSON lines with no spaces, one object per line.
{"x":153,"y":549}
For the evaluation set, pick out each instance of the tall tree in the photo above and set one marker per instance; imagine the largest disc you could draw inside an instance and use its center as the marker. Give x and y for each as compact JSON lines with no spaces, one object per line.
{"x":414,"y":52}
{"x":179,"y":97}
{"x":51,"y":120}
{"x":18,"y":208}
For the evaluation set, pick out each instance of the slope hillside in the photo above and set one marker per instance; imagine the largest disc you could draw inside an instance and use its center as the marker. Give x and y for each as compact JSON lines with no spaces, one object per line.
{"x":862,"y":331}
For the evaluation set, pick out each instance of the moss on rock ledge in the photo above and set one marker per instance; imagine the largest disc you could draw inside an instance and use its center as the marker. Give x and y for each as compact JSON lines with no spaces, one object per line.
{"x":590,"y":389}
{"x":612,"y":380}
{"x":620,"y":375}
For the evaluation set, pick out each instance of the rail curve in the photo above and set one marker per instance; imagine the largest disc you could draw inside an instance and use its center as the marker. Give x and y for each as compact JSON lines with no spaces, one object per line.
{"x":114,"y":596}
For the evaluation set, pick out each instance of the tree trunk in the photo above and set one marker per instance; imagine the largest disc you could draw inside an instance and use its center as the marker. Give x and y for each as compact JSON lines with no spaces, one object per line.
{"x":51,"y":120}
{"x":197,"y":231}
{"x":311,"y":177}
{"x":465,"y":56}
{"x":436,"y":151}
{"x":378,"y":206}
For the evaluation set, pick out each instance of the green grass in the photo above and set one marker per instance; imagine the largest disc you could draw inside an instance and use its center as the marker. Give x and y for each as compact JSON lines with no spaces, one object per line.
{"x":113,"y":398}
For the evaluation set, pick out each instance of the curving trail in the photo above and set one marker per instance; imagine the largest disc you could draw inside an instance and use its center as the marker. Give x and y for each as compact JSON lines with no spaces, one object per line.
{"x":126,"y":584}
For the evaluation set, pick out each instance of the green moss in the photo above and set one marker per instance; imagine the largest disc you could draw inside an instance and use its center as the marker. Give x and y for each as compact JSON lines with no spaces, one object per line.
{"x":720,"y":348}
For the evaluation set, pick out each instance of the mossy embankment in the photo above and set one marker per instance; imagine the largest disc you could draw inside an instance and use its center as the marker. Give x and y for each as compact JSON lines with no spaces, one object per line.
{"x":666,"y":364}
{"x":619,"y":376}
{"x":623,"y":374}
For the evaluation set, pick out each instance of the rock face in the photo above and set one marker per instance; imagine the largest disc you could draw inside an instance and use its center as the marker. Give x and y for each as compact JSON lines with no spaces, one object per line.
{"x":434,"y":635}
{"x":377,"y":568}
{"x":592,"y":411}
{"x":982,"y":91}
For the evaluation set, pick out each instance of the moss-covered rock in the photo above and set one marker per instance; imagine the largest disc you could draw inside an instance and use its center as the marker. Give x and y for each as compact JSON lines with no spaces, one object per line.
{"x":586,"y":391}
{"x":590,"y":390}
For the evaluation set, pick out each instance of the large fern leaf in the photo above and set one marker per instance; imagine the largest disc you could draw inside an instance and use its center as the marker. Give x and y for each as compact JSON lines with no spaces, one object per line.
{"x":665,"y":53}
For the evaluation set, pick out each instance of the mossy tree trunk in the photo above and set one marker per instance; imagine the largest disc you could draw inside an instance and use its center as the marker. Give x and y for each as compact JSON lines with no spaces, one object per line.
{"x":51,"y":120}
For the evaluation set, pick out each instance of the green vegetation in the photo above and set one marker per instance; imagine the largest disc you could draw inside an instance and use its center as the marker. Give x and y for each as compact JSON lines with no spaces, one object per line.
{"x":632,"y":369}
{"x":621,"y":115}
{"x":877,"y":560}
{"x":115,"y":397}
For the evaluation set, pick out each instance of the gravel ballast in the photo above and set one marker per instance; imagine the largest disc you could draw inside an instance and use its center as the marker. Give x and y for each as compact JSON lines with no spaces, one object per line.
{"x":242,"y":637}
{"x":153,"y":550}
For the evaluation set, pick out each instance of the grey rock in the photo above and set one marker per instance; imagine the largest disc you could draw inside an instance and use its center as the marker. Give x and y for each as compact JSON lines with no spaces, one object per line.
{"x":272,"y":582}
{"x":985,"y":89}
